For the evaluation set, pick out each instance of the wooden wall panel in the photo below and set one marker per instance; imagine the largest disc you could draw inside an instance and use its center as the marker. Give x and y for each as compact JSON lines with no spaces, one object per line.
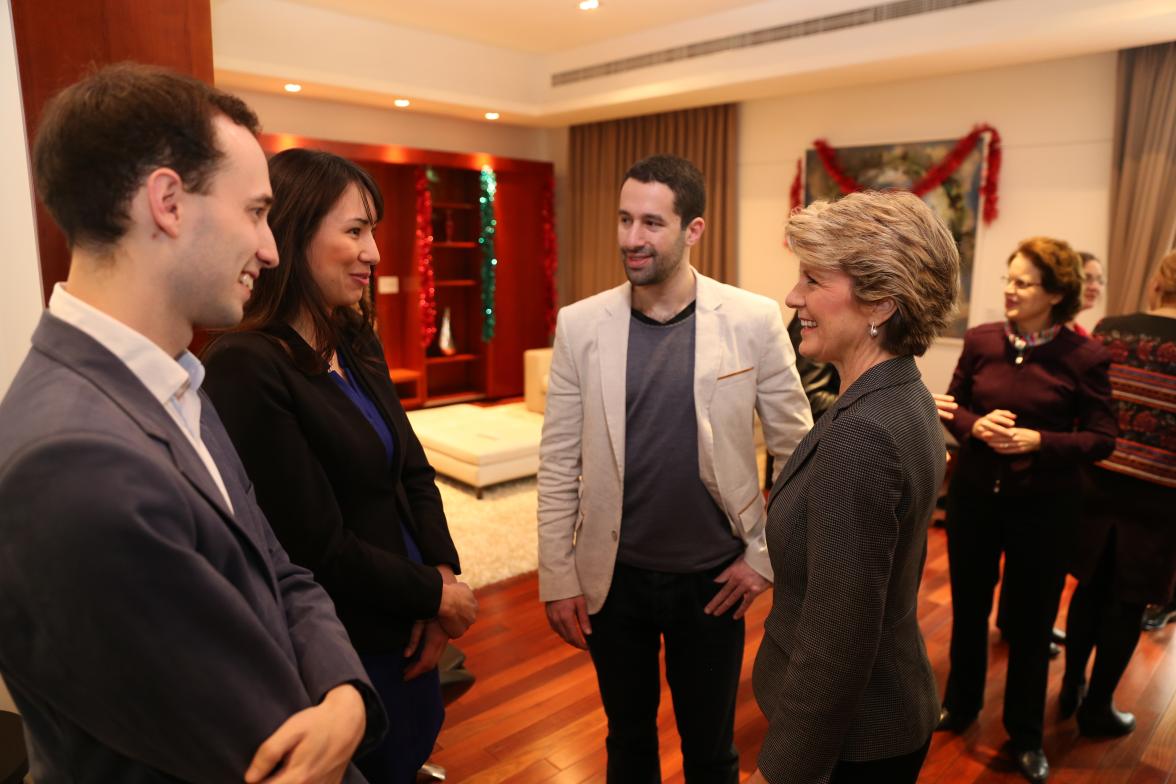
{"x":57,"y":41}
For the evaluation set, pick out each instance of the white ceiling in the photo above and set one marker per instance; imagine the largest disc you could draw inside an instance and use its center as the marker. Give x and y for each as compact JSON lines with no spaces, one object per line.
{"x":538,"y":26}
{"x":465,"y":57}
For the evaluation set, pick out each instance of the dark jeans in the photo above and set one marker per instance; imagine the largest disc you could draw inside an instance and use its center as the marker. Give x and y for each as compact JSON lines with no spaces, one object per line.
{"x":1028,"y":530}
{"x":703,"y":657}
{"x":893,"y":770}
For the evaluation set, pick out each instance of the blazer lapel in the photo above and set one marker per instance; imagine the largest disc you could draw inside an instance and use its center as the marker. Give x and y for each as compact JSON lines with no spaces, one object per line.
{"x":900,"y":370}
{"x":710,"y":326}
{"x":612,"y":351}
{"x":106,"y":372}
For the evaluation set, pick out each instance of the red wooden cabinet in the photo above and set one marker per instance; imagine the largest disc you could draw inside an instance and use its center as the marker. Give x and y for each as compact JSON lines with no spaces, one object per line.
{"x":476,"y":369}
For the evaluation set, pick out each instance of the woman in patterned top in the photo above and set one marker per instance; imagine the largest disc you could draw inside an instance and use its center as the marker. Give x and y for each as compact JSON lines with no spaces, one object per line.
{"x":1034,"y":408}
{"x":1126,"y":550}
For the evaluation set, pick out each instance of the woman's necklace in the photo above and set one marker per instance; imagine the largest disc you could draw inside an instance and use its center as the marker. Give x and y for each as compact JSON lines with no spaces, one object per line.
{"x":1022,"y":342}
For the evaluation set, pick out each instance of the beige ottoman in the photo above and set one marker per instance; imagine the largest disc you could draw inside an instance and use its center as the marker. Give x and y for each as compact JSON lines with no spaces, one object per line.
{"x":480,"y":445}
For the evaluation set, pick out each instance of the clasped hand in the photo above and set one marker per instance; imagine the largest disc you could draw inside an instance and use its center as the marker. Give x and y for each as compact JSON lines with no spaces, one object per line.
{"x":998,"y":429}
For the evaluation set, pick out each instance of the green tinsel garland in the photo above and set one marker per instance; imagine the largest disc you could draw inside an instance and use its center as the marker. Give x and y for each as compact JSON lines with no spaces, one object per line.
{"x":489,"y":262}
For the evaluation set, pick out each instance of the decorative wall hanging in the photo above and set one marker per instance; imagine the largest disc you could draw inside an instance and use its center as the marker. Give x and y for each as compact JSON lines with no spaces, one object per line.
{"x":950,"y":175}
{"x":486,"y":242}
{"x":424,"y":257}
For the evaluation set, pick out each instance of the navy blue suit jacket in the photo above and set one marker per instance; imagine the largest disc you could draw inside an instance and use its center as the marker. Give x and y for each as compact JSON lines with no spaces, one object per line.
{"x":147,"y":632}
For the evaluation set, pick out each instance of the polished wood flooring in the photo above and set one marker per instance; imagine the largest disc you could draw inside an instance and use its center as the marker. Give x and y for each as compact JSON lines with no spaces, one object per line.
{"x":534,"y":714}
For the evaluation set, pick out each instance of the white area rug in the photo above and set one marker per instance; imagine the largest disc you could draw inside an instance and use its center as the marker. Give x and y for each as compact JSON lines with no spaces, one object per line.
{"x":496,"y":536}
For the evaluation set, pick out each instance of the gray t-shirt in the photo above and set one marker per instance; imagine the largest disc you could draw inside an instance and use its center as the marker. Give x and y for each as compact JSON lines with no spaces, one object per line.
{"x":670,"y":523}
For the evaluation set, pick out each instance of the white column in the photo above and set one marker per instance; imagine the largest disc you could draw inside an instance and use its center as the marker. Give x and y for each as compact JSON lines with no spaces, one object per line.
{"x":20,"y":269}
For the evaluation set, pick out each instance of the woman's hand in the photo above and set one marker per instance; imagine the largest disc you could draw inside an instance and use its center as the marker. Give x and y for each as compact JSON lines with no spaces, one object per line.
{"x":994,"y":426}
{"x":1020,"y":441}
{"x":946,"y":405}
{"x":432,"y":643}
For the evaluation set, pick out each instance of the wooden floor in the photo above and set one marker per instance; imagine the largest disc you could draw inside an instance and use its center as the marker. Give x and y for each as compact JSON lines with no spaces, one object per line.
{"x":534,"y":714}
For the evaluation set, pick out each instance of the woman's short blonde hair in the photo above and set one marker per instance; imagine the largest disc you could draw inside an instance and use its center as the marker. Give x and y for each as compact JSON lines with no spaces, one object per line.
{"x":893,"y":247}
{"x":1165,"y":276}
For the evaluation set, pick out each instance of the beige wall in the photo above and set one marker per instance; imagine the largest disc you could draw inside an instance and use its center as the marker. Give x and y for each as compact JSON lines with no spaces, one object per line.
{"x":1055,"y":119}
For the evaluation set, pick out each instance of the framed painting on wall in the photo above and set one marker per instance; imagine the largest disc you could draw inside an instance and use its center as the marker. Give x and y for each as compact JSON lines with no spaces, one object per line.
{"x":898,"y":167}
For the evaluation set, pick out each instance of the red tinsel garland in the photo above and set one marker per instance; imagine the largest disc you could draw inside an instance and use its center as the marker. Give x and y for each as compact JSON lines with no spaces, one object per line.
{"x":934,"y":176}
{"x":794,"y":191}
{"x":550,"y":254}
{"x":424,"y":258}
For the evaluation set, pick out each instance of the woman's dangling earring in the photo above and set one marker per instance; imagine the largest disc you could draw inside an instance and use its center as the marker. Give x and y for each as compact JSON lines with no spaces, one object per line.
{"x":873,"y":330}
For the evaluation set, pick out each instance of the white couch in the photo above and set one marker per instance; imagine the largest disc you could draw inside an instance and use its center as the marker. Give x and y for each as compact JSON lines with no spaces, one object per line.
{"x":486,"y":445}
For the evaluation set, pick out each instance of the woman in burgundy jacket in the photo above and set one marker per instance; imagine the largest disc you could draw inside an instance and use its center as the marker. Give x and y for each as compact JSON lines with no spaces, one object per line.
{"x":1034,"y":409}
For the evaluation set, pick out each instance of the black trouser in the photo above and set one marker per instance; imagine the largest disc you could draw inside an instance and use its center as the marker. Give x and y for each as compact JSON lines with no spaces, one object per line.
{"x":703,"y":657}
{"x":1028,"y":530}
{"x":1097,"y":619}
{"x":893,"y":770}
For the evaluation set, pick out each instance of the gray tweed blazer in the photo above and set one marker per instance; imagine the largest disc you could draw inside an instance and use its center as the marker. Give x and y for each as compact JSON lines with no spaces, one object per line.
{"x":842,"y":672}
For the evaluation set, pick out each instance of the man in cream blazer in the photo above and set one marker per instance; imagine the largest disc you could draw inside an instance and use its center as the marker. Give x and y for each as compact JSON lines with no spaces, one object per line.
{"x":651,"y":519}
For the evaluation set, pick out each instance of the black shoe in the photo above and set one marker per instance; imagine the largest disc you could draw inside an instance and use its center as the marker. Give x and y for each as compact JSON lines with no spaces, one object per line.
{"x":1058,"y":636}
{"x":950,"y":722}
{"x":1157,"y":615}
{"x":1070,"y":697}
{"x":1033,"y":764}
{"x":1055,"y":650}
{"x":1104,"y":721}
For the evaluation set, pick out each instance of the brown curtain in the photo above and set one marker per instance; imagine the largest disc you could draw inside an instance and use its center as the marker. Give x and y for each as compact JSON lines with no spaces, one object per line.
{"x":601,"y":153}
{"x":1143,"y":183}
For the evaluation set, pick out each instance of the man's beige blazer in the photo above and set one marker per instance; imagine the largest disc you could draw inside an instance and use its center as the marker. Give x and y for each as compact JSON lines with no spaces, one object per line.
{"x":743,"y":364}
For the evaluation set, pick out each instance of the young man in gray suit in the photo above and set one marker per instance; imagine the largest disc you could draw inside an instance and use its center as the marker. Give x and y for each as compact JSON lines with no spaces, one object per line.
{"x":651,"y":520}
{"x":151,"y":627}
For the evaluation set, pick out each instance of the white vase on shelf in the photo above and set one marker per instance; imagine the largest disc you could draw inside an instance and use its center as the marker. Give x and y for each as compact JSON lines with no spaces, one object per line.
{"x":445,"y":336}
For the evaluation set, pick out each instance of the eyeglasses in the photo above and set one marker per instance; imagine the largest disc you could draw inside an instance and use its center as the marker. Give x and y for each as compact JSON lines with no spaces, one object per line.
{"x":1019,"y":284}
{"x":1092,"y":280}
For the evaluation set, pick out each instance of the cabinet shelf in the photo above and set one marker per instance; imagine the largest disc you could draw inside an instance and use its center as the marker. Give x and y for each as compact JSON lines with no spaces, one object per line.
{"x":451,"y":359}
{"x":455,"y":283}
{"x":454,"y":205}
{"x":449,"y":244}
{"x":453,"y":397}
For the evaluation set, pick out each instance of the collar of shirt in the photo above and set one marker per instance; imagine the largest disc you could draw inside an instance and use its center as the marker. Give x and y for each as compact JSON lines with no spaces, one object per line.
{"x":166,"y":378}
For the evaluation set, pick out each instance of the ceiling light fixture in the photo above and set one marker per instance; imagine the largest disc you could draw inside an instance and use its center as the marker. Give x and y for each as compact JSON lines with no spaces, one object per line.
{"x":589,"y":5}
{"x":291,"y":87}
{"x":492,"y":115}
{"x":401,"y":102}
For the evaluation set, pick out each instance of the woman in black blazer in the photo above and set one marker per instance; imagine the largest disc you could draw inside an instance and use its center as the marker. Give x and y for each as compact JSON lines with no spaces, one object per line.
{"x":842,"y":673}
{"x":303,"y":389}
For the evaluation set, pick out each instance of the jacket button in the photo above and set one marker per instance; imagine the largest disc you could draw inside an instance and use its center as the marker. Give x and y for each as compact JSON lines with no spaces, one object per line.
{"x":614,"y":535}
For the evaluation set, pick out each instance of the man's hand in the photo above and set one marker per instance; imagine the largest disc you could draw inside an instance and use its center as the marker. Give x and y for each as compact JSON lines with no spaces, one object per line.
{"x":432,"y":642}
{"x":458,"y":609}
{"x":569,"y":619}
{"x":741,"y":584}
{"x":315,"y":745}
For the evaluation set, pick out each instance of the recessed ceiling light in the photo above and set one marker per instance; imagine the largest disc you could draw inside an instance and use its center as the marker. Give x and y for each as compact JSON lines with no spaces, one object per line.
{"x":293,"y":88}
{"x":492,"y":115}
{"x":401,"y":102}
{"x":589,"y":5}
